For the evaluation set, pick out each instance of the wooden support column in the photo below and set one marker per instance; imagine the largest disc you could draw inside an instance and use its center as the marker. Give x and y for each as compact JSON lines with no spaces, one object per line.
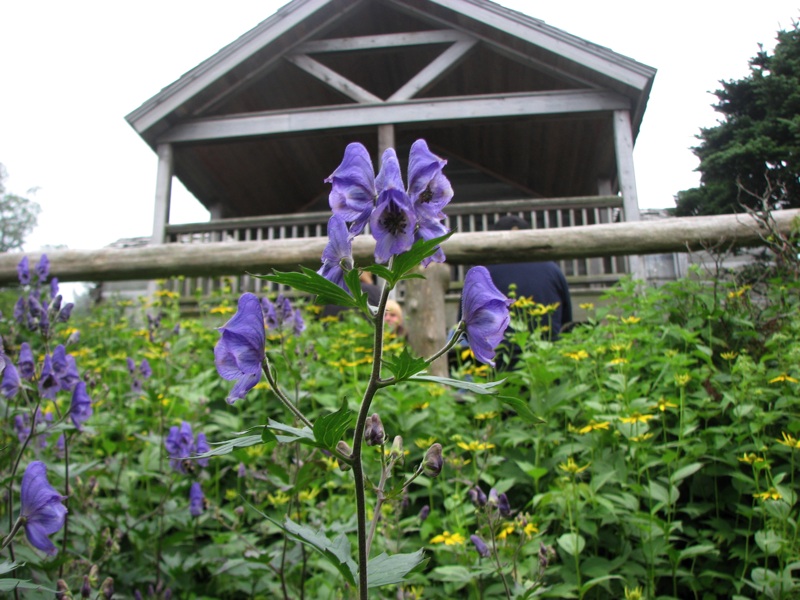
{"x":163,"y":193}
{"x":623,"y":145}
{"x":385,"y":139}
{"x":425,"y":316}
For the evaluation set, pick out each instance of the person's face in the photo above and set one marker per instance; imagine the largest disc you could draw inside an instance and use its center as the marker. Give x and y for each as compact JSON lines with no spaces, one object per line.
{"x":391,"y":317}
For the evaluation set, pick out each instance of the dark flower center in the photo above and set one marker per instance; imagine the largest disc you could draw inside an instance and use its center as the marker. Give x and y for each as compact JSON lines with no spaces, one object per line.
{"x":394,"y":221}
{"x":426,"y":196}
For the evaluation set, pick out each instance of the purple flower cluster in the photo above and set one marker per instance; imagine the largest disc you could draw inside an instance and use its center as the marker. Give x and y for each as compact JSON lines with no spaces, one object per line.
{"x":181,"y":445}
{"x":143,"y":371}
{"x":281,"y":314}
{"x":35,"y":310}
{"x":397,"y":215}
{"x":196,"y":500}
{"x":43,"y":510}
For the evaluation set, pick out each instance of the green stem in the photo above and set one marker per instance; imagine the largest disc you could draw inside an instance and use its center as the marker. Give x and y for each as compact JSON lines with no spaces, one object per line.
{"x":281,"y":396}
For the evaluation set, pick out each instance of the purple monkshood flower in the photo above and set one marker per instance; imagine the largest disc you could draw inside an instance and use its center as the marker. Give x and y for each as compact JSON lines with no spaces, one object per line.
{"x":500,"y":501}
{"x":48,"y":382}
{"x":241,"y":471}
{"x":21,"y":427}
{"x":81,"y":407}
{"x":298,"y":324}
{"x":35,"y":307}
{"x":337,"y":257}
{"x":353,"y":188}
{"x":424,"y":512}
{"x":24,"y":271}
{"x":54,"y":287}
{"x":485,"y":312}
{"x":42,"y":507}
{"x":9,"y":386}
{"x":65,"y":313}
{"x":477,"y":497}
{"x":179,"y":444}
{"x":196,"y":500}
{"x":239,"y":353}
{"x":480,"y":546}
{"x":429,"y":190}
{"x":144,"y":369}
{"x":19,"y":309}
{"x":60,"y":450}
{"x":393,"y":221}
{"x":26,"y":365}
{"x":131,"y":365}
{"x":43,"y":267}
{"x":201,"y":446}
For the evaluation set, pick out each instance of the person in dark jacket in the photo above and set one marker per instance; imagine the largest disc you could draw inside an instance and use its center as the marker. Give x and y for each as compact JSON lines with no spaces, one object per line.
{"x":542,"y":281}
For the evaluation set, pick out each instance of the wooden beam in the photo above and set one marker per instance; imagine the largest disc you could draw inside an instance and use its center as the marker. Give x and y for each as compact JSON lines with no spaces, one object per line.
{"x":163,"y":193}
{"x":626,"y":178}
{"x":229,"y":258}
{"x":435,"y":70}
{"x":389,"y":40}
{"x":332,"y":79}
{"x":410,"y":111}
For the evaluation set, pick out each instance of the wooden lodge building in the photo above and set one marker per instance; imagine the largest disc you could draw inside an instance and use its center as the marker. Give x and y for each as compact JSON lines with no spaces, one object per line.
{"x":532,"y":120}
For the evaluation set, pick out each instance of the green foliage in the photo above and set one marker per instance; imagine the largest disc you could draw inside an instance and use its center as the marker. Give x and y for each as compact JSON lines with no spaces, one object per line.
{"x":658,"y":452}
{"x":757,"y":141}
{"x":18,"y":217}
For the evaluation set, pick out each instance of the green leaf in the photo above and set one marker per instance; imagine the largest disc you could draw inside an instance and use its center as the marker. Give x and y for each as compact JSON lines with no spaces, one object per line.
{"x":267,"y":436}
{"x":386,"y":570}
{"x":699,"y":550}
{"x":293,"y":434}
{"x":329,"y":429}
{"x":404,"y":263}
{"x":593,"y":582}
{"x":8,"y":566}
{"x":405,"y":365}
{"x":522,"y":409}
{"x":454,"y":573}
{"x":312,"y":282}
{"x":572,"y":543}
{"x":477,"y":388}
{"x":684,"y":472}
{"x":9,"y":585}
{"x":228,"y":446}
{"x":336,"y":551}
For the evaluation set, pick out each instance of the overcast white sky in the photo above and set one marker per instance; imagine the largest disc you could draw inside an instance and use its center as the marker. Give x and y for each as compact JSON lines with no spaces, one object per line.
{"x":72,"y":70}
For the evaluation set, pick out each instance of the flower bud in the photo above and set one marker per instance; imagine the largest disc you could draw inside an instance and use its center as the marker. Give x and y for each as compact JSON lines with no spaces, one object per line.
{"x":374,"y":435}
{"x":480,"y":546}
{"x":424,"y":512}
{"x":477,"y":497}
{"x":344,"y":449}
{"x":86,"y":588}
{"x":397,"y":449}
{"x":107,"y":589}
{"x":434,"y":461}
{"x":62,"y":590}
{"x":503,"y":506}
{"x":94,"y":575}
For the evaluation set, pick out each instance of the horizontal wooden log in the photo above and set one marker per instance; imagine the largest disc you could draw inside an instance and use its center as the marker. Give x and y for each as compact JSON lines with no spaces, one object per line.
{"x":231,"y":258}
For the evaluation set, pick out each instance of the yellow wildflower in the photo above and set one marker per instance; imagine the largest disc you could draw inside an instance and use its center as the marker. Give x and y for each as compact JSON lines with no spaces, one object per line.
{"x":421,"y":406}
{"x":467,"y":353}
{"x":729,"y":355}
{"x":751,"y":458}
{"x":572,"y":467}
{"x":587,"y":305}
{"x":620,"y":347}
{"x":230,"y":494}
{"x":637,"y":417}
{"x":456,"y":462}
{"x":642,"y":438}
{"x":308,"y":495}
{"x":770,"y":494}
{"x":618,"y":361}
{"x":593,"y":426}
{"x":634,"y":594}
{"x":682,"y":379}
{"x":632,"y":320}
{"x":789,"y":441}
{"x":448,"y":539}
{"x":424,"y":443}
{"x":783,"y":377}
{"x":262,"y":385}
{"x":475,"y":446}
{"x":579,"y":355}
{"x":330,"y":462}
{"x":664,"y":404}
{"x":279,"y":498}
{"x":492,"y":414}
{"x":530,"y":529}
{"x":221,"y":310}
{"x":524,"y":302}
{"x":504,"y":533}
{"x":739,"y":293}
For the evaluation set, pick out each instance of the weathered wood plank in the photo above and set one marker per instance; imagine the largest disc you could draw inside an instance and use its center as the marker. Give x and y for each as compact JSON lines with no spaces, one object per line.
{"x":410,"y":111}
{"x":389,"y":40}
{"x":331,"y":78}
{"x":441,"y":65}
{"x":226,"y":258}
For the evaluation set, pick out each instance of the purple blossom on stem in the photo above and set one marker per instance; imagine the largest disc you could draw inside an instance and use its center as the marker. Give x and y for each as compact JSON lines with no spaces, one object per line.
{"x":485,"y":313}
{"x":54,"y":287}
{"x":81,"y":407}
{"x":337,"y":257}
{"x":424,"y":512}
{"x":145,"y":369}
{"x":131,"y":365}
{"x":65,"y":313}
{"x":71,"y":377}
{"x":196,"y":500}
{"x":48,"y":382}
{"x":24,"y":271}
{"x":43,"y":267}
{"x":21,"y":427}
{"x":353,"y":191}
{"x":480,"y":546}
{"x":393,"y":221}
{"x":19,"y":309}
{"x":10,"y":384}
{"x":26,"y":364}
{"x":43,"y":510}
{"x":477,"y":497}
{"x":179,"y":445}
{"x":35,"y":307}
{"x":239,"y":353}
{"x":201,"y":446}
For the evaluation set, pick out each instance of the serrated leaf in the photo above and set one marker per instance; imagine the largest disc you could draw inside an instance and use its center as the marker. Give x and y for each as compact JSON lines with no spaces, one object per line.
{"x":336,"y":551}
{"x":477,"y":388}
{"x":7,"y":566}
{"x":405,"y":262}
{"x":312,"y":282}
{"x":293,"y":434}
{"x":386,"y":570}
{"x":329,"y":429}
{"x":228,"y":446}
{"x":405,"y":365}
{"x":9,"y":585}
{"x":522,"y":409}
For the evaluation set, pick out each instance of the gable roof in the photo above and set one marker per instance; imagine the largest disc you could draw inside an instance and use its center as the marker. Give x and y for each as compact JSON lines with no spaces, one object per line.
{"x":319,"y":73}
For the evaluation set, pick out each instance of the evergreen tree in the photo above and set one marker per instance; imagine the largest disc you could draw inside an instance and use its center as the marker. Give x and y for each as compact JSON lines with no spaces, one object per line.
{"x":18,"y":216}
{"x":757,"y":142}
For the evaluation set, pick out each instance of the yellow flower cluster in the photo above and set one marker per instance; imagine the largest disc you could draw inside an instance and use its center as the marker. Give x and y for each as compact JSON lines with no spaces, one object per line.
{"x":751,"y":458}
{"x":789,"y":441}
{"x":448,"y":539}
{"x":475,"y":446}
{"x":579,"y":355}
{"x":770,"y":494}
{"x":572,"y":468}
{"x":591,"y":426}
{"x":637,"y":417}
{"x":783,"y":377}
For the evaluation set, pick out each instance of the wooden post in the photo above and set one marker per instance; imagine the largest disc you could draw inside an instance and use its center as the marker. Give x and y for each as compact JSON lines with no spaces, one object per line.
{"x":426,"y":320}
{"x":623,"y":144}
{"x":163,"y":193}
{"x":385,"y":139}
